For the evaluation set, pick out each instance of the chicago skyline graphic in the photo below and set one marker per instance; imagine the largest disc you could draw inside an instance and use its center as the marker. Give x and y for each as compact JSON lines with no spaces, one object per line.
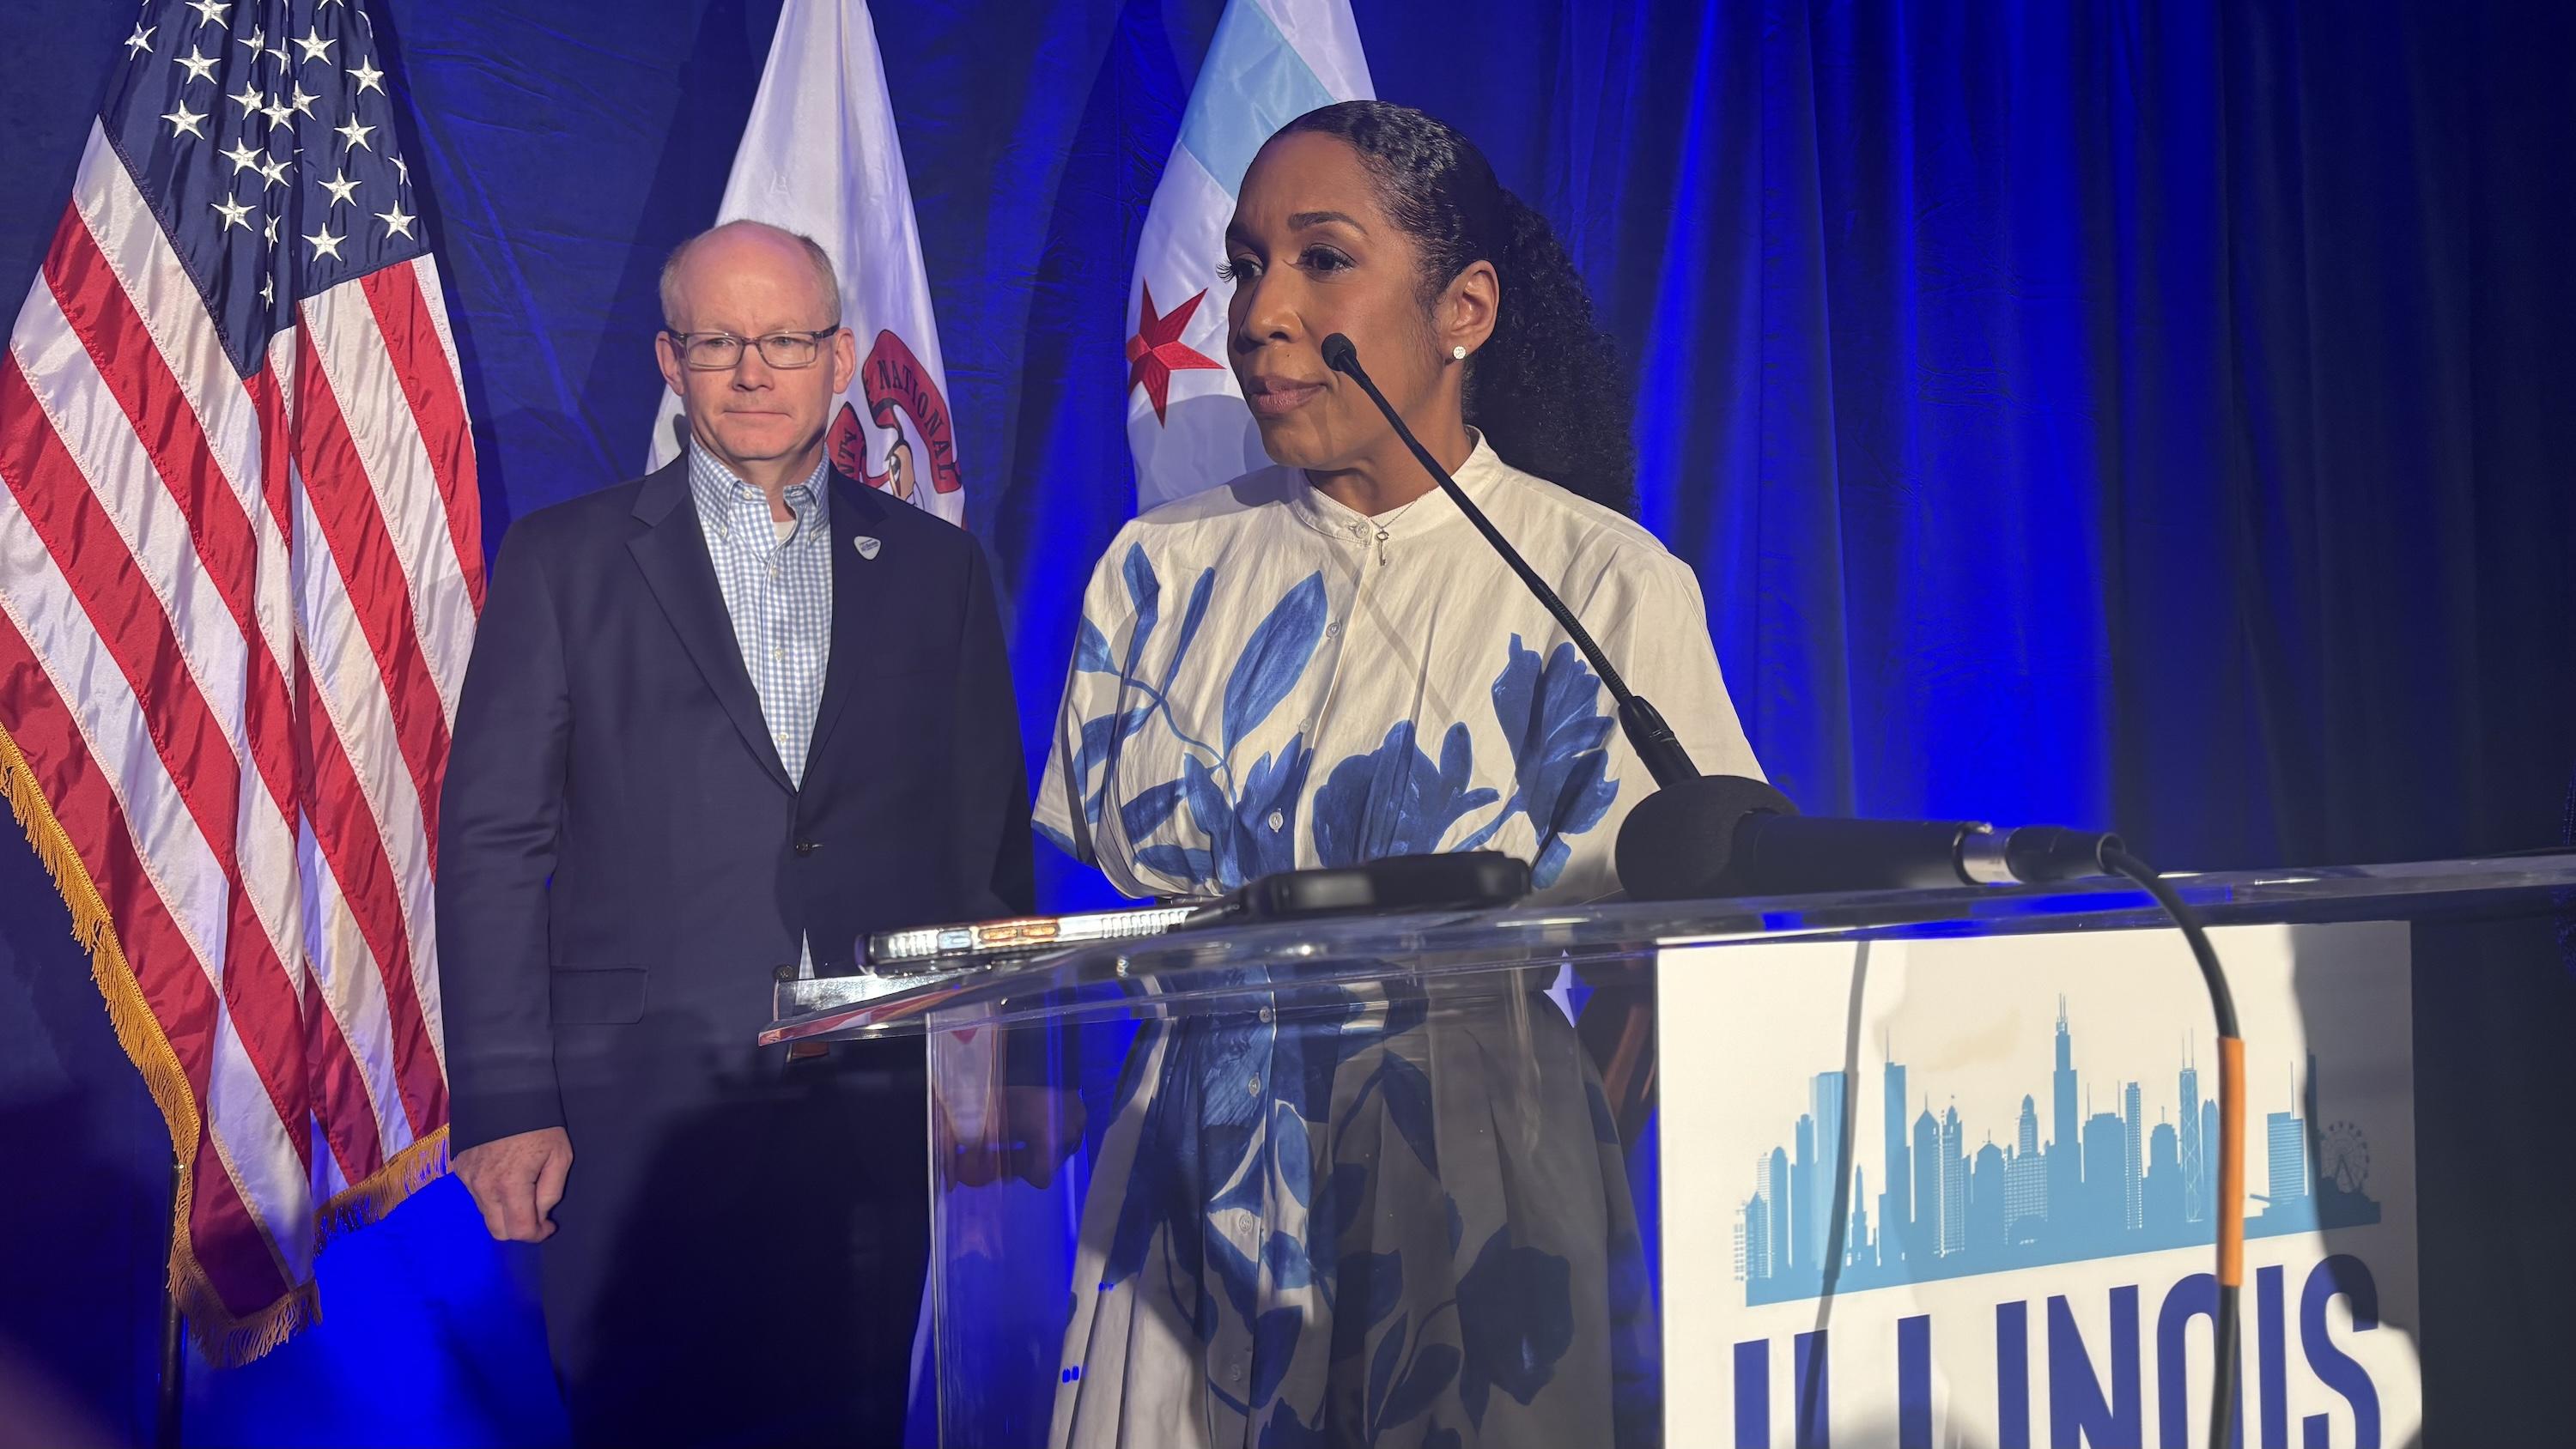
{"x":2075,"y":1179}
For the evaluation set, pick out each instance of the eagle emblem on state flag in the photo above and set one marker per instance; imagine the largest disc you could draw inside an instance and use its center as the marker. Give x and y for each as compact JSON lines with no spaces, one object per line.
{"x":907,"y":407}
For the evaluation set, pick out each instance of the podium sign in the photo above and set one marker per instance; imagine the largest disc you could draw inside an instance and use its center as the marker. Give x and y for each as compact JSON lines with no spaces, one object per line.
{"x":1961,"y":1191}
{"x":1922,"y":1169}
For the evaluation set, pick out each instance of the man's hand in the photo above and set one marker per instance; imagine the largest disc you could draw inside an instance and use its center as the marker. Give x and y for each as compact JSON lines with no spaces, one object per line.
{"x":517,"y":1180}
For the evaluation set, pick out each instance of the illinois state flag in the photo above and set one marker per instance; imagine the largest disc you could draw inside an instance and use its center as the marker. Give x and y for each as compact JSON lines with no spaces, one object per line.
{"x":819,"y":156}
{"x":1271,"y":62}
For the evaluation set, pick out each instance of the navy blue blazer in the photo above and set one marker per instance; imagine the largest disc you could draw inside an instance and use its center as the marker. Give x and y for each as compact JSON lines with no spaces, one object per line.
{"x":617,"y":835}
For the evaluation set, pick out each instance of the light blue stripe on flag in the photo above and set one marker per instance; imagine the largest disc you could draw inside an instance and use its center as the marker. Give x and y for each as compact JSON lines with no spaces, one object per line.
{"x":1252,"y":83}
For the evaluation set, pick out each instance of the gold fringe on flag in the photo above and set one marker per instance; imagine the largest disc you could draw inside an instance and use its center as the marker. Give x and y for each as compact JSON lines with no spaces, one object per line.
{"x":225,"y":1338}
{"x":403,"y":1174}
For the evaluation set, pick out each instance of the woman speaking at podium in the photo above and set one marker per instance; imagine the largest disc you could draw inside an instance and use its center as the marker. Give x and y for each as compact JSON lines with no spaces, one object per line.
{"x":1342,"y":1230}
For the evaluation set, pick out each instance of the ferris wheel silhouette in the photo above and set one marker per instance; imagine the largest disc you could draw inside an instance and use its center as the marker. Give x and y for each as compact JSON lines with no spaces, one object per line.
{"x":2345,"y":1157}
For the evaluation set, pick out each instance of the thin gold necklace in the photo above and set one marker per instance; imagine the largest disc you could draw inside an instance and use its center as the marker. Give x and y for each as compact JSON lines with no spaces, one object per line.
{"x":1383,"y":524}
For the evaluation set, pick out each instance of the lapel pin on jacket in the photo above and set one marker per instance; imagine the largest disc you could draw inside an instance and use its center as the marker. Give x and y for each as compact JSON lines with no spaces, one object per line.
{"x":867,"y":546}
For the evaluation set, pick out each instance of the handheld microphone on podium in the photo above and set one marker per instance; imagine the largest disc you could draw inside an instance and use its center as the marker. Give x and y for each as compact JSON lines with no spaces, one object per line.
{"x":1714,"y":835}
{"x":1723,"y":835}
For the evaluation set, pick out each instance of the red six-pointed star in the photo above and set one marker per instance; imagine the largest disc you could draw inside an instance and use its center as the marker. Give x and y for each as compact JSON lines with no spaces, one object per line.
{"x":1156,"y":351}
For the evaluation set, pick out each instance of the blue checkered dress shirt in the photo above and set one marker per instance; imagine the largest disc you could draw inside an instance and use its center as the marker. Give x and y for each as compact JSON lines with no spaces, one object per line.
{"x":778,"y":592}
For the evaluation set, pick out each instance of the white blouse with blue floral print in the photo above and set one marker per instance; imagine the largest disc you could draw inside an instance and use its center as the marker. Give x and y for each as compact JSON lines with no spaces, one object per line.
{"x":1377,"y":1218}
{"x":1261,"y":682}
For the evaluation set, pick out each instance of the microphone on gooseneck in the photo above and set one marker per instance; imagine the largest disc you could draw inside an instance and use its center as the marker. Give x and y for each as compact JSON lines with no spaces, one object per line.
{"x":1721,"y":835}
{"x":1647,"y":733}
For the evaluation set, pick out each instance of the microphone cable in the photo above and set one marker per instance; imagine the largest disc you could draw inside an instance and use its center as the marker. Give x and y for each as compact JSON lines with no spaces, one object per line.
{"x":2224,"y":1323}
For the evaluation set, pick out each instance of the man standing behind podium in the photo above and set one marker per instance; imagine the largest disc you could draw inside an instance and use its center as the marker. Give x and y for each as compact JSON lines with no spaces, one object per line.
{"x":720,"y":720}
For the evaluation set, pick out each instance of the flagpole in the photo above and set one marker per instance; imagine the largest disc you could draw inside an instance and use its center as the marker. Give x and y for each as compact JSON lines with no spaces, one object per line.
{"x":174,"y":1353}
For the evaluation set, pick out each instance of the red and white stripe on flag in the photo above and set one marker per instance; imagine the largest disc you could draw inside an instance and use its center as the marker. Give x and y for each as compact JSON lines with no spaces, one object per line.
{"x":240,"y":564}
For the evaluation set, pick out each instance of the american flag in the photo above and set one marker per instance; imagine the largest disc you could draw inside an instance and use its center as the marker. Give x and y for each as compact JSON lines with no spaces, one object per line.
{"x":240,"y":563}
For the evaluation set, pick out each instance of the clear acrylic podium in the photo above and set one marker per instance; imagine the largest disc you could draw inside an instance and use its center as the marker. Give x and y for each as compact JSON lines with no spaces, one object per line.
{"x":1869,"y":1169}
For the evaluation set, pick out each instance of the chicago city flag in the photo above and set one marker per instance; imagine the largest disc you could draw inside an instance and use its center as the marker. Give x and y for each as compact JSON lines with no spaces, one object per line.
{"x":240,"y":563}
{"x":1271,"y":62}
{"x":819,"y":156}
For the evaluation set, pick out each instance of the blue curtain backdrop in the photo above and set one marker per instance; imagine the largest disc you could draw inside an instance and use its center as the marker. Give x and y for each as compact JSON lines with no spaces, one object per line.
{"x":2111,"y":413}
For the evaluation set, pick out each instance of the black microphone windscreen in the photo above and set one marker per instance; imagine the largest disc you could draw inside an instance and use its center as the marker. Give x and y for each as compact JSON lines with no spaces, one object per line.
{"x":1340,"y":355}
{"x":1679,"y":843}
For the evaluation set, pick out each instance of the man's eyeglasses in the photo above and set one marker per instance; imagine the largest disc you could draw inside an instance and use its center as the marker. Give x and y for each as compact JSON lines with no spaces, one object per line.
{"x":719,"y":351}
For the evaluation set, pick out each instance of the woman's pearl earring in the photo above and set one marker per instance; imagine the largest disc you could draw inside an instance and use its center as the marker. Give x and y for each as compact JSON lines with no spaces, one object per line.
{"x":1459,"y":352}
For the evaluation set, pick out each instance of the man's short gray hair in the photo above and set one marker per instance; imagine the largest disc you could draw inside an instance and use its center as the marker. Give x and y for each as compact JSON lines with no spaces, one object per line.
{"x":814,"y":253}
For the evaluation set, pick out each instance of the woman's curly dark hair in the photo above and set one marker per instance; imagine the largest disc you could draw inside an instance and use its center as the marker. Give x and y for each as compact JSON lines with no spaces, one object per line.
{"x":1546,"y":389}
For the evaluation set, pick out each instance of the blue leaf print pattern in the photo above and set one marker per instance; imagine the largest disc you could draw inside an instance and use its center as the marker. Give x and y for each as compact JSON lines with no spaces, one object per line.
{"x":1191,"y":617}
{"x":1099,"y":744}
{"x":1180,"y":862}
{"x":1274,"y":1343}
{"x":1138,"y":1214}
{"x":1289,"y":1144}
{"x":1265,"y":822}
{"x":1382,"y":1367}
{"x":1408,"y":1101}
{"x":1249,"y":821}
{"x":1274,"y":659}
{"x":1253,"y":837}
{"x":1285,"y":1257}
{"x":1236,"y":1273}
{"x":1099,"y":740}
{"x":1560,"y":761}
{"x":1369,"y":1287}
{"x":1310,"y":1052}
{"x":1407,"y":1006}
{"x":1394,"y":801}
{"x":1516,"y":1318}
{"x":1432,"y":1370}
{"x":1145,"y":814}
{"x":1208,"y":809}
{"x":1337,"y":1206}
{"x":1091,"y":651}
{"x":1287,"y":1431}
{"x":1191,"y":1143}
{"x":1145,"y":593}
